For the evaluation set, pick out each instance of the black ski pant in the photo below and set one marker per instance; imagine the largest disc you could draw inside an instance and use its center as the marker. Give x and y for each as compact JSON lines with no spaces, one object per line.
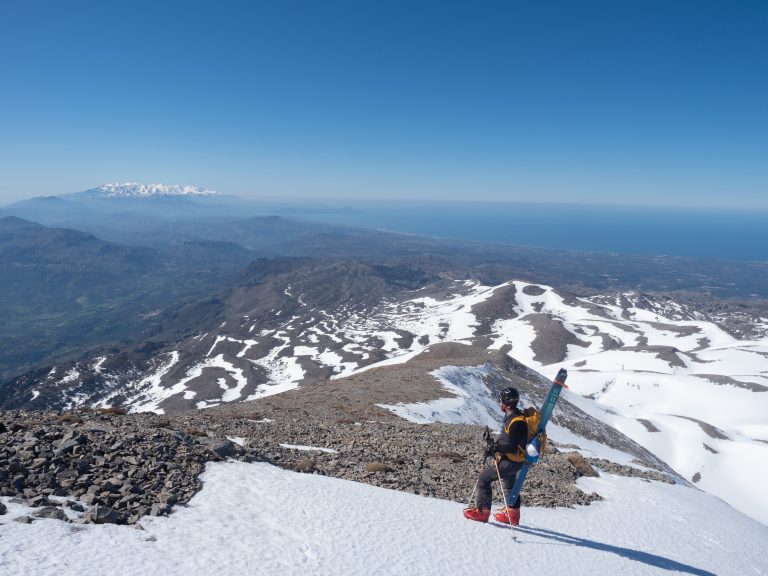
{"x":508,"y":471}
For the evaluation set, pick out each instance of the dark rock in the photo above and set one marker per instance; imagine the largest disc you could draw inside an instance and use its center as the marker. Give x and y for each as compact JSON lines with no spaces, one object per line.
{"x":76,"y":506}
{"x":38,"y":501}
{"x":67,"y":446}
{"x":16,"y":467}
{"x":25,"y":455}
{"x":112,"y":485}
{"x":169,"y":499}
{"x":131,"y":489}
{"x":51,"y":512}
{"x":18,"y":483}
{"x":90,"y":498}
{"x":221,"y":448}
{"x":103,"y":515}
{"x":582,"y":467}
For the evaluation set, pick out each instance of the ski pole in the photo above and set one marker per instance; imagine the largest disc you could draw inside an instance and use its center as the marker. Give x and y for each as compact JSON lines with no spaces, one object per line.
{"x":488,"y":444}
{"x":474,"y":489}
{"x":472,"y":496}
{"x":504,"y":498}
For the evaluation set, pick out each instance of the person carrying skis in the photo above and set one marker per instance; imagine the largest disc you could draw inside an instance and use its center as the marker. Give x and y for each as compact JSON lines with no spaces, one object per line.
{"x":509,"y":454}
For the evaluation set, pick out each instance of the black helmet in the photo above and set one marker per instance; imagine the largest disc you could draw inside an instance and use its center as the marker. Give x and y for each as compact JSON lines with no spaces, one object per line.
{"x":509,"y":396}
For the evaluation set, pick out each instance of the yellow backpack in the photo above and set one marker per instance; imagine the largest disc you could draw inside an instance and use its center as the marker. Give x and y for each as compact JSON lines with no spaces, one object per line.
{"x":532,"y":418}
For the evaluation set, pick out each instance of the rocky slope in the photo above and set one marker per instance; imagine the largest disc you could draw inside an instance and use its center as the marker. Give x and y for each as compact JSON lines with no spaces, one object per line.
{"x":106,"y":466}
{"x":655,"y":369}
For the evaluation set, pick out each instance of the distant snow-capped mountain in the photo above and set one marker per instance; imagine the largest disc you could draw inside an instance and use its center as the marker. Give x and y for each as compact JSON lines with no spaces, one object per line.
{"x":137,"y":190}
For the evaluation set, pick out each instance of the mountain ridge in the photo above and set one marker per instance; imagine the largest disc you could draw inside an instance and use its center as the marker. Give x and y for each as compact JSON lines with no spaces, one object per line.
{"x":68,"y":290}
{"x":139,"y":190}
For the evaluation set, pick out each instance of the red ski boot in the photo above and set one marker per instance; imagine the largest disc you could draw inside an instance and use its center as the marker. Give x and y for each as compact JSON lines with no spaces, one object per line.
{"x":477,"y":514}
{"x":508,"y":516}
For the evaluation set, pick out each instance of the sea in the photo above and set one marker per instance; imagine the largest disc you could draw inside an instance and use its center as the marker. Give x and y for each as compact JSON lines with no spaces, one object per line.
{"x":720,"y":234}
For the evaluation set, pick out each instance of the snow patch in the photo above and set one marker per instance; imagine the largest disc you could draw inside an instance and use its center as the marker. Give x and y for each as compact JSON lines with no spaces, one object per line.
{"x":98,"y":363}
{"x":70,"y":376}
{"x":472,"y":402}
{"x":309,"y":448}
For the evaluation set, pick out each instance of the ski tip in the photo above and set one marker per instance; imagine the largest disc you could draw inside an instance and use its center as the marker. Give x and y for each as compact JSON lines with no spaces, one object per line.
{"x":562,"y":374}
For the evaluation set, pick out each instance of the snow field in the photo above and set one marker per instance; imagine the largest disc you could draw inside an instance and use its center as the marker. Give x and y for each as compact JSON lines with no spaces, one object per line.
{"x":449,"y":320}
{"x":661,"y":399}
{"x":258,"y":519}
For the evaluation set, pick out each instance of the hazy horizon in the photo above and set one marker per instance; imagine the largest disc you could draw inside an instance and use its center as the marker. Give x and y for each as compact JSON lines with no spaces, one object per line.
{"x":689,"y":231}
{"x":595,"y":102}
{"x":348,"y":201}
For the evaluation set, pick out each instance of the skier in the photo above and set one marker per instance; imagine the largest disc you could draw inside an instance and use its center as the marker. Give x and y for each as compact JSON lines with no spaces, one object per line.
{"x":509,"y":454}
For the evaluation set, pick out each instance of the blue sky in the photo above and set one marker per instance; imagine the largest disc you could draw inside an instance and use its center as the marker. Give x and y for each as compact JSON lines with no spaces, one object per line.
{"x":591,"y":102}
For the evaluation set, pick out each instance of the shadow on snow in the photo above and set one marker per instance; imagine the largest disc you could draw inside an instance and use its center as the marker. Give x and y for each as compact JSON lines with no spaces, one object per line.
{"x":637,"y":555}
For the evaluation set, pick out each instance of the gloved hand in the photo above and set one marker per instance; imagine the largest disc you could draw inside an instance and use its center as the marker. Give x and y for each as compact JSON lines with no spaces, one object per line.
{"x":490,"y":443}
{"x":491,"y":448}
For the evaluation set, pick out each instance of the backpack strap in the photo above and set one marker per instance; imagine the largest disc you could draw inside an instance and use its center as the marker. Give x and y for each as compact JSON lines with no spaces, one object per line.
{"x":515,"y":419}
{"x":514,"y":456}
{"x":510,"y":456}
